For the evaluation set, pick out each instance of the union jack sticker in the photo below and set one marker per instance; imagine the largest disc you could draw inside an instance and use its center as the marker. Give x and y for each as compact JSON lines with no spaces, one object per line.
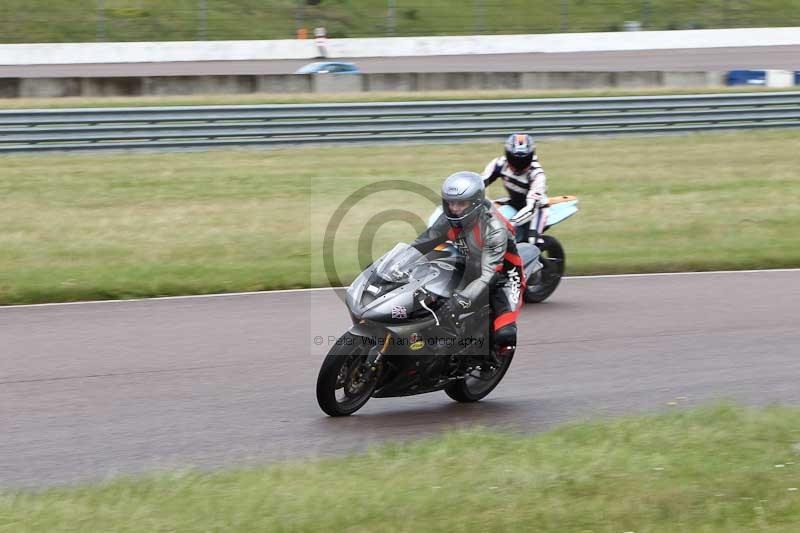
{"x":399,"y":312}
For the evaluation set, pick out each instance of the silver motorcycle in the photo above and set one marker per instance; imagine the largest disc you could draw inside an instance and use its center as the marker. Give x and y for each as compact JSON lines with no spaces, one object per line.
{"x":400,"y":343}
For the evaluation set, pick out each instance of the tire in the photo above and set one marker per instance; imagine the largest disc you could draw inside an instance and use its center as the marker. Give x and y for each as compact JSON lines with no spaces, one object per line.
{"x":463,"y":391}
{"x":544,"y":283}
{"x":340,"y":368}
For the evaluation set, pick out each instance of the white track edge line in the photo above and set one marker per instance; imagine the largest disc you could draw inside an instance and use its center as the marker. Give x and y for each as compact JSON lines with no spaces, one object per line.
{"x":284,"y":291}
{"x":705,"y":272}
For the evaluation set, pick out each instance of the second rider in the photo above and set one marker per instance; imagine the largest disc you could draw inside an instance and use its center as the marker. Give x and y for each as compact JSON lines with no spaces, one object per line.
{"x":525,"y":181}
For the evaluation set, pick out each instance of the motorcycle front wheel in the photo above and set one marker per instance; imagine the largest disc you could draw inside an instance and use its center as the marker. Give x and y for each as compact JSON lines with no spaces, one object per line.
{"x":544,"y":283}
{"x":343,"y":384}
{"x":476,"y":387}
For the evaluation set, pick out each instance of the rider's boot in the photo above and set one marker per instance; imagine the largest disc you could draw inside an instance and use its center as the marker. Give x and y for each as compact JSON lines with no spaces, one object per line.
{"x":504,"y":342}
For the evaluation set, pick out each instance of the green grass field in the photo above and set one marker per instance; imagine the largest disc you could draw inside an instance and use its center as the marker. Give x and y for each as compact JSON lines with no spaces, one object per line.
{"x":715,"y":469}
{"x":78,"y":227}
{"x":148,"y":20}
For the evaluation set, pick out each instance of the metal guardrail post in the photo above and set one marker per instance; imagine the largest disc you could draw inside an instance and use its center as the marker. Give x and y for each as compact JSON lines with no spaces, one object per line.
{"x":391,"y":17}
{"x":100,"y":34}
{"x":202,"y":32}
{"x":480,"y":17}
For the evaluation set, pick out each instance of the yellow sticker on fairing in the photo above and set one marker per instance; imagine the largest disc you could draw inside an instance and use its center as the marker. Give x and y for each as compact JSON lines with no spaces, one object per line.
{"x":417,"y":345}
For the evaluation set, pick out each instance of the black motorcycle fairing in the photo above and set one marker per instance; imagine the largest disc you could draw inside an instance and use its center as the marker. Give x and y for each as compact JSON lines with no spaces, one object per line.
{"x":415,"y":349}
{"x":407,"y":371}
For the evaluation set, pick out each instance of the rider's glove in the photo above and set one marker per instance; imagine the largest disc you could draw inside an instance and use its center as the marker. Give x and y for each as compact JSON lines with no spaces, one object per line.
{"x":525,"y":214}
{"x":456,"y":305}
{"x":463,"y":302}
{"x":535,"y":200}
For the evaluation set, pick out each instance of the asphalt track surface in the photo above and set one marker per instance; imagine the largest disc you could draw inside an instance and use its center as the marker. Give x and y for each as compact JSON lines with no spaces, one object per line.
{"x":700,"y":59}
{"x":92,"y":390}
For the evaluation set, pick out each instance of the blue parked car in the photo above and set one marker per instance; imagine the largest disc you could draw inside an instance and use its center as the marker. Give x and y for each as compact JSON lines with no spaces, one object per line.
{"x":325,"y":67}
{"x":746,"y":77}
{"x":753,"y":77}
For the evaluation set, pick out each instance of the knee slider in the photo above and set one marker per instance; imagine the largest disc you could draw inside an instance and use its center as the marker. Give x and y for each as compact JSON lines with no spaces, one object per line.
{"x":506,"y":336}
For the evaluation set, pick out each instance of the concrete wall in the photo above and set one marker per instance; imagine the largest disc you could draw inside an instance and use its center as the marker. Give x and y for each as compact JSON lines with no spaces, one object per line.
{"x":426,"y":81}
{"x":562,"y":42}
{"x":406,"y":82}
{"x":154,"y":52}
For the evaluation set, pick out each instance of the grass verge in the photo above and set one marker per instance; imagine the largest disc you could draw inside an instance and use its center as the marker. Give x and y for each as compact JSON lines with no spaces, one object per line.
{"x":78,"y":227}
{"x":714,"y":469}
{"x":377,"y":96}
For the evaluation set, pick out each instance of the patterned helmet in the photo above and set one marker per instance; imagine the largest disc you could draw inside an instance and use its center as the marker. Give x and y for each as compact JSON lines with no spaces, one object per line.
{"x":519,"y":151}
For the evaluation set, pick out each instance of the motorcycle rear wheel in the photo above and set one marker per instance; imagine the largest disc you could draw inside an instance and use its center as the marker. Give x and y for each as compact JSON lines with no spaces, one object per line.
{"x":546,"y":280}
{"x":471,"y":389}
{"x":341,"y":385}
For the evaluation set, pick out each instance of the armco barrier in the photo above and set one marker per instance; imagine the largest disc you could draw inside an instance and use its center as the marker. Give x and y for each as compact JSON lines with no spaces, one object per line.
{"x":276,"y":125}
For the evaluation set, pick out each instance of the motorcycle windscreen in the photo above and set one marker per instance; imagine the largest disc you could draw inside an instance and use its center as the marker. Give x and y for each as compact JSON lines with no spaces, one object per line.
{"x":434,"y":216}
{"x":396,"y":264}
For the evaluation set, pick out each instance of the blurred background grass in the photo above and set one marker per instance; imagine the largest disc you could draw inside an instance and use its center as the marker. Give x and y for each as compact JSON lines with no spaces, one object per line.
{"x":372,"y":96}
{"x":147,"y":224}
{"x":178,"y":20}
{"x":716,"y":469}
